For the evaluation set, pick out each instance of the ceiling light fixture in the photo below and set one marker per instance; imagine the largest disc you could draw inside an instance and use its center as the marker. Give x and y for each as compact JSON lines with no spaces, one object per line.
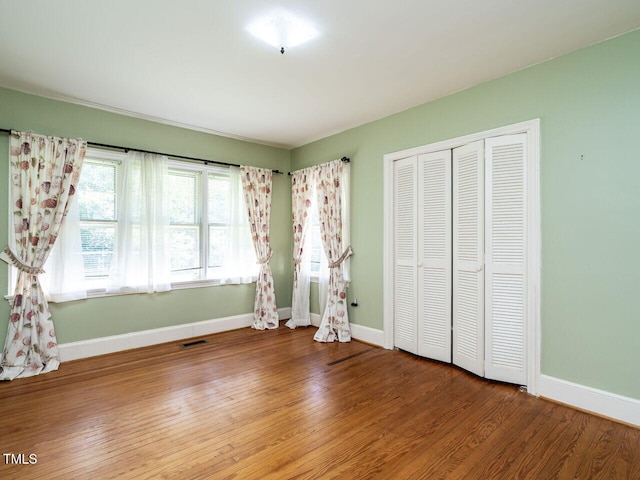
{"x":282,"y":30}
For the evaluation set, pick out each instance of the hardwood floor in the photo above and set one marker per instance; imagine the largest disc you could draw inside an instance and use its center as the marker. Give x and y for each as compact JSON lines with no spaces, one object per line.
{"x":277,"y":405}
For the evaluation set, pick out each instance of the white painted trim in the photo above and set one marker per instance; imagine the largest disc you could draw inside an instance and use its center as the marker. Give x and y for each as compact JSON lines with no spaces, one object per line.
{"x":522,"y":127}
{"x":532,"y":129}
{"x":603,"y":403}
{"x":284,"y":313}
{"x":387,"y":252}
{"x":534,"y":256}
{"x":117,"y":343}
{"x":369,"y":335}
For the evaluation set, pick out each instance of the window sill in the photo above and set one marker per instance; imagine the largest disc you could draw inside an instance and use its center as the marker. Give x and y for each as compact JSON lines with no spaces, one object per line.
{"x":101,"y":292}
{"x":185,"y":285}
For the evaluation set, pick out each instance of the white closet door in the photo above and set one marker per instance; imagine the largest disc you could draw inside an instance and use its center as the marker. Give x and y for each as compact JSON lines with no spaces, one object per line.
{"x":468,"y":257}
{"x":505,"y":259}
{"x":434,"y":255}
{"x":405,"y":253}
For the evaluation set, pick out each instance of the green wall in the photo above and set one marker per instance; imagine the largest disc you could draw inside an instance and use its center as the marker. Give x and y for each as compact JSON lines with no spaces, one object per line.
{"x":98,"y":317}
{"x":589,"y":106}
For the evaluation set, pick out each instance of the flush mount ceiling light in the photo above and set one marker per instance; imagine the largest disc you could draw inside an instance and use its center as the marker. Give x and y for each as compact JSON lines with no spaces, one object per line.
{"x":282,"y":30}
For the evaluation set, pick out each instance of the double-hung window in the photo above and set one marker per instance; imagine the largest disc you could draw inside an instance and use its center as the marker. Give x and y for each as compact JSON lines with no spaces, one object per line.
{"x":185,"y":231}
{"x":210,"y":239}
{"x":97,"y":199}
{"x":208,"y":233}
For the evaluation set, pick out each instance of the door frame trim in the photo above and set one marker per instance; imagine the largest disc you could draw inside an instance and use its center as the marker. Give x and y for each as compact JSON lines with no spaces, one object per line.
{"x":533,"y":268}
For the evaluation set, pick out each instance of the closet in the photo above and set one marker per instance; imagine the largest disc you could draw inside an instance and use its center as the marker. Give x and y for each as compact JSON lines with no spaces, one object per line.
{"x":460,"y":256}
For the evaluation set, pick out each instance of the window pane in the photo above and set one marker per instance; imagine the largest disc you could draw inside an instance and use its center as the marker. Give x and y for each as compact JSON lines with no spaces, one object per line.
{"x":184,"y":197}
{"x":316,"y":241}
{"x":184,"y":244}
{"x":218,"y":244}
{"x":97,"y":191}
{"x":316,"y":248}
{"x":98,"y":243}
{"x":219,"y":199}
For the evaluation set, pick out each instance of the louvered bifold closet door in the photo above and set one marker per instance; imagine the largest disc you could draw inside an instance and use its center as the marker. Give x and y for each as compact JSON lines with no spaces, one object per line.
{"x":405,"y":253}
{"x":506,"y":259}
{"x":434,"y":255}
{"x":468,"y":257}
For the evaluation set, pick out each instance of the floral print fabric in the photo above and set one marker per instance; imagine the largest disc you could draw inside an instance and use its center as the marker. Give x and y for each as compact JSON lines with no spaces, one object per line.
{"x":256,"y":183}
{"x":44,"y":175}
{"x":301,"y":200}
{"x":335,"y":321}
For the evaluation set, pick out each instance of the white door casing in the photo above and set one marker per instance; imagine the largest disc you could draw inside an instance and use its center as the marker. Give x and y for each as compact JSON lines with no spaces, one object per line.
{"x":530,"y":307}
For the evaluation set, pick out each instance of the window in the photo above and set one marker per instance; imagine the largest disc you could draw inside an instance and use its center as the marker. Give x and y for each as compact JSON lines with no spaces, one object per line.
{"x":97,"y":211}
{"x":218,"y":249}
{"x":317,"y":250}
{"x":208,"y":234}
{"x":185,"y":230}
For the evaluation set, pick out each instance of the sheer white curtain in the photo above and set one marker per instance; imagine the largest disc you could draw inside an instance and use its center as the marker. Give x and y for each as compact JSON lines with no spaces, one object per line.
{"x":323,"y":283}
{"x":302,"y":192}
{"x":239,"y":265}
{"x":64,"y":280}
{"x":141,"y":263}
{"x":335,"y":322}
{"x":345,"y":196}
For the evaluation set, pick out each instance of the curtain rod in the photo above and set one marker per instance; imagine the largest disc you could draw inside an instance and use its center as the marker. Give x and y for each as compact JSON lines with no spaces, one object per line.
{"x":181,"y":157}
{"x":344,"y":159}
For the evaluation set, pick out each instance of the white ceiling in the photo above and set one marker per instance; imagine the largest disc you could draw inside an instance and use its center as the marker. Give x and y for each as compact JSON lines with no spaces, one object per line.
{"x":192,"y":63}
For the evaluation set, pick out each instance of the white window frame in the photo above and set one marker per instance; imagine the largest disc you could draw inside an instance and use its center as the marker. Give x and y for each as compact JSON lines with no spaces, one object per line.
{"x":201,"y":212}
{"x":97,"y":286}
{"x":204,"y":171}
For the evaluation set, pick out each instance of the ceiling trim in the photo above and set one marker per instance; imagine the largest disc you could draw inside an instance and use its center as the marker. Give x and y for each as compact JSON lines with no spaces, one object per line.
{"x":149,"y":118}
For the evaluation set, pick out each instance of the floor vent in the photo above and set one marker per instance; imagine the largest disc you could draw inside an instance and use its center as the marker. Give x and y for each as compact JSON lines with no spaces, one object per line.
{"x":194,"y":343}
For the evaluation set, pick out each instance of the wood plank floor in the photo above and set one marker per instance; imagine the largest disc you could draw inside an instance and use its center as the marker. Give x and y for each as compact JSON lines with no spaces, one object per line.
{"x":277,"y":405}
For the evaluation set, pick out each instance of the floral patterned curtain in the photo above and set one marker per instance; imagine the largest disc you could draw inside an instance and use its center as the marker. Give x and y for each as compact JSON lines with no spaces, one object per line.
{"x":256,"y":183}
{"x":301,"y":200}
{"x":44,"y":174}
{"x":335,"y":321}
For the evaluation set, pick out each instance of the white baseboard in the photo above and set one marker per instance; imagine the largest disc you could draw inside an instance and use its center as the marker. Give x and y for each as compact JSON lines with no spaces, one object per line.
{"x":600,"y":402}
{"x":358,"y":332}
{"x":117,"y":343}
{"x":284,"y":313}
